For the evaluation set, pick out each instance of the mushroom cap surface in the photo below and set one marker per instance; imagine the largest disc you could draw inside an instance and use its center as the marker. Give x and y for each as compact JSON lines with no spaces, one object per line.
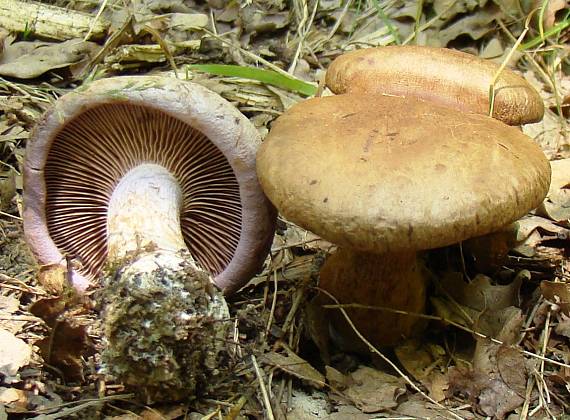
{"x":388,"y":174}
{"x":448,"y":77}
{"x":91,"y":137}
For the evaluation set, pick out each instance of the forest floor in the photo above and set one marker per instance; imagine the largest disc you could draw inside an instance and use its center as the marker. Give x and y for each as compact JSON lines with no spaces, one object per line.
{"x":504,"y":356}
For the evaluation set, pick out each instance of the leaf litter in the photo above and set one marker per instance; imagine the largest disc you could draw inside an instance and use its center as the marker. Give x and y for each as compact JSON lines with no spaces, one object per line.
{"x":498,"y":343}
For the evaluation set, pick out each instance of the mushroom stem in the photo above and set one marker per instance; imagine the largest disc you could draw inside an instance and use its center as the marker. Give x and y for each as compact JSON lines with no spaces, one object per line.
{"x":166,"y":332}
{"x":394,"y":281}
{"x":145,"y":210}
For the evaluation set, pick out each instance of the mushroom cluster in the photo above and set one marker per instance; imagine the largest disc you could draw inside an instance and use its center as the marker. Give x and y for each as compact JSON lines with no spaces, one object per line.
{"x":385,"y":176}
{"x":150,"y":182}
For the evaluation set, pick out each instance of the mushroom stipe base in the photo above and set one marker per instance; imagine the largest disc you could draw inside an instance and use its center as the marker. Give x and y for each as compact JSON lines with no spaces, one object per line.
{"x":165,"y":328}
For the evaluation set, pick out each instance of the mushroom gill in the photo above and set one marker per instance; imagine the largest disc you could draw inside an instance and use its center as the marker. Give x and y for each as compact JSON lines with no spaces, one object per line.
{"x":93,"y":151}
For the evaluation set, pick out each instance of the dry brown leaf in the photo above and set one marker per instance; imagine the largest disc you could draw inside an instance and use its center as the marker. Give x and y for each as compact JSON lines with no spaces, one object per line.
{"x":64,"y":348}
{"x":11,"y":395}
{"x":67,"y":341}
{"x":556,"y":205}
{"x":53,"y":278}
{"x":26,"y":60}
{"x":496,"y":384}
{"x":527,"y":225}
{"x":563,"y":327}
{"x":424,"y":362}
{"x":166,"y":413}
{"x":557,"y":292}
{"x":49,"y":309}
{"x":511,"y":367}
{"x":347,"y":412}
{"x":299,"y":237}
{"x":8,"y":305}
{"x":8,"y":322}
{"x":335,"y":378}
{"x":550,"y":10}
{"x":373,"y":391}
{"x":317,"y":327}
{"x":258,"y":21}
{"x":417,"y":407}
{"x":550,"y":134}
{"x":492,"y":386}
{"x":533,"y":230}
{"x":452,"y":312}
{"x":475,"y":25}
{"x":448,"y":9}
{"x":14,"y":353}
{"x":296,"y":366}
{"x":13,"y":398}
{"x":7,"y":186}
{"x":480,"y":294}
{"x":502,"y":324}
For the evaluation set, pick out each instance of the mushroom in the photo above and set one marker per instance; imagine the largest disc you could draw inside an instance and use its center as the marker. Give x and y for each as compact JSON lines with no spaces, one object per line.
{"x":447,"y":77}
{"x":384,"y":177}
{"x":131,"y":161}
{"x":150,"y":183}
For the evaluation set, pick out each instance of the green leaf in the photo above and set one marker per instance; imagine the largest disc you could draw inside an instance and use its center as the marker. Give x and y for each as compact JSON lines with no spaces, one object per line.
{"x":264,"y":76}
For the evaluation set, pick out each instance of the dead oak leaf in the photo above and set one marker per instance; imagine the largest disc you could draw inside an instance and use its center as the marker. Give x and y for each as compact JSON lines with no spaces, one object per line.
{"x":558,"y":293}
{"x":563,"y":327}
{"x":497,"y":382}
{"x":296,"y":366}
{"x":556,"y":205}
{"x":14,"y":353}
{"x":26,"y":60}
{"x":480,"y":294}
{"x":373,"y":391}
{"x":64,"y":348}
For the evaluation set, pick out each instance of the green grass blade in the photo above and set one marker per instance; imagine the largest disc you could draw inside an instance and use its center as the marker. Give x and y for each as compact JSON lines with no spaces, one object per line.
{"x":555,"y":30}
{"x":386,"y":20}
{"x":261,"y":75}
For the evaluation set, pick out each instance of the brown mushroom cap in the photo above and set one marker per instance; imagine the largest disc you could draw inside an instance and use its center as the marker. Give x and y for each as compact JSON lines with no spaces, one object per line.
{"x":448,"y":77}
{"x":92,"y":137}
{"x":388,"y":174}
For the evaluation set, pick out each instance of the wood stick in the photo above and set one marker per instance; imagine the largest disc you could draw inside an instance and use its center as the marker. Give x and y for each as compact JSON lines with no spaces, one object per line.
{"x":49,"y":21}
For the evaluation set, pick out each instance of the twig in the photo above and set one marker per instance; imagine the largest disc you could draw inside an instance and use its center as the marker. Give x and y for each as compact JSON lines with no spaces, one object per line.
{"x":504,"y":64}
{"x":11,"y":216}
{"x":96,"y":20}
{"x":526,"y":405}
{"x":273,"y":303}
{"x":386,"y":359}
{"x":264,"y":393}
{"x":335,"y":27}
{"x":167,"y":53}
{"x":304,"y":30}
{"x":76,"y":407}
{"x":438,"y":318}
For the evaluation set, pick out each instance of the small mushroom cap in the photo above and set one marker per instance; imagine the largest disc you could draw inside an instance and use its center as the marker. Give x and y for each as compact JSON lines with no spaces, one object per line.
{"x":387,"y":174}
{"x":448,"y":77}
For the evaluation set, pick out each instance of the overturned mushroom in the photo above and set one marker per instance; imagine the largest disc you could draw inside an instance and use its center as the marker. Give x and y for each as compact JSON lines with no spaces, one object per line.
{"x":384,"y":177}
{"x":439,"y":75}
{"x":87,"y":153}
{"x":154,"y":179}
